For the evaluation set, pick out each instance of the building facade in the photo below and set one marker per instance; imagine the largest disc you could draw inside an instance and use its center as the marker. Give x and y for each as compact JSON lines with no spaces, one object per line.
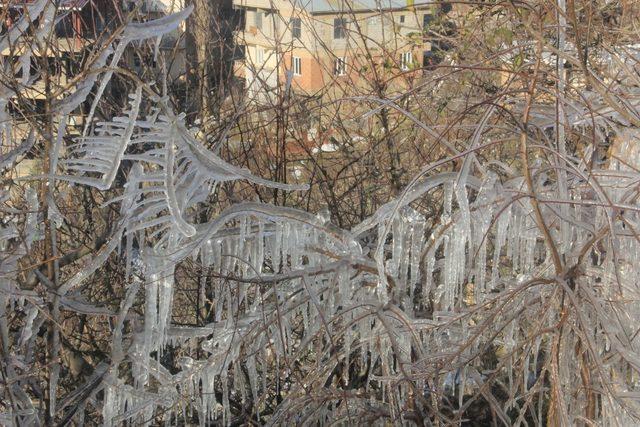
{"x":37,"y":72}
{"x":309,"y":45}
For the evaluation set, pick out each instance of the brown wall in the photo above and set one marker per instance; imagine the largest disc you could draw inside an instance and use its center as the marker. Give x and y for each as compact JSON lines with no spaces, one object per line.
{"x":312,"y":78}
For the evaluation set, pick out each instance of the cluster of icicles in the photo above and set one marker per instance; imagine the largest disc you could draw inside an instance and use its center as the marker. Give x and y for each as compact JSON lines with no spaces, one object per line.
{"x":399,"y":290}
{"x":325,"y":281}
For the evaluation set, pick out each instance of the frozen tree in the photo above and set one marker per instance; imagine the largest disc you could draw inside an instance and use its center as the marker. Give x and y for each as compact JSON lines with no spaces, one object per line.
{"x":519,"y":295}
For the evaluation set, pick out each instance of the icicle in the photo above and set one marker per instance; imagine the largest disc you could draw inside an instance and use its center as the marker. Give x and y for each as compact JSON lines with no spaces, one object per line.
{"x":427,"y":286}
{"x":502,"y":226}
{"x":165,"y":299}
{"x":32,"y":217}
{"x":253,"y":379}
{"x":27,"y":330}
{"x":397,"y":252}
{"x":150,"y":318}
{"x":417,"y":242}
{"x":226,"y":410}
{"x":260,"y":244}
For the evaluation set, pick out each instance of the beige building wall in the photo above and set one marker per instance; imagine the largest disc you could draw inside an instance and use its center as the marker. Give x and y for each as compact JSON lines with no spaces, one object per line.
{"x":272,"y":53}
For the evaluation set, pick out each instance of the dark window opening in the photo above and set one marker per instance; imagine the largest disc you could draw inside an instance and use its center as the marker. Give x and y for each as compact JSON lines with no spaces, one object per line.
{"x":446,"y":7}
{"x":296,"y":28}
{"x":339,"y":28}
{"x":430,"y":60}
{"x":239,"y":52}
{"x":426,"y":21}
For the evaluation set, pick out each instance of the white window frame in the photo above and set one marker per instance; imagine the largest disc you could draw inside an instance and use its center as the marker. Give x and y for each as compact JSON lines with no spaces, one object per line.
{"x":340,"y":66}
{"x":296,"y":65}
{"x":259,"y":55}
{"x":406,"y":60}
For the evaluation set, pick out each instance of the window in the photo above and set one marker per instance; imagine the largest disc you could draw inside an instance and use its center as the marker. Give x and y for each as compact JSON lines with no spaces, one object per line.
{"x":430,"y":60}
{"x":340,"y":67}
{"x":70,"y":63}
{"x":64,"y":28}
{"x":339,"y":28}
{"x":259,"y":55}
{"x":239,"y":52}
{"x":446,"y":7}
{"x":259,"y":20}
{"x":426,"y":21}
{"x":296,"y":28}
{"x":137,"y":64}
{"x":406,"y":60}
{"x":374,"y":27}
{"x":54,"y":65}
{"x":297,"y":66}
{"x":402,"y":19}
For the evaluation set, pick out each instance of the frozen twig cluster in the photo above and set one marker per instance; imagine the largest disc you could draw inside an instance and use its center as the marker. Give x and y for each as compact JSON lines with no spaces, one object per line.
{"x":522,"y":293}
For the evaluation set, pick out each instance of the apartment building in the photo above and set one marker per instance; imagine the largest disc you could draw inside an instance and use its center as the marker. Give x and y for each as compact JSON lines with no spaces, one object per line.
{"x":78,"y":24}
{"x":308,"y":44}
{"x":80,"y":27}
{"x":172,"y":46}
